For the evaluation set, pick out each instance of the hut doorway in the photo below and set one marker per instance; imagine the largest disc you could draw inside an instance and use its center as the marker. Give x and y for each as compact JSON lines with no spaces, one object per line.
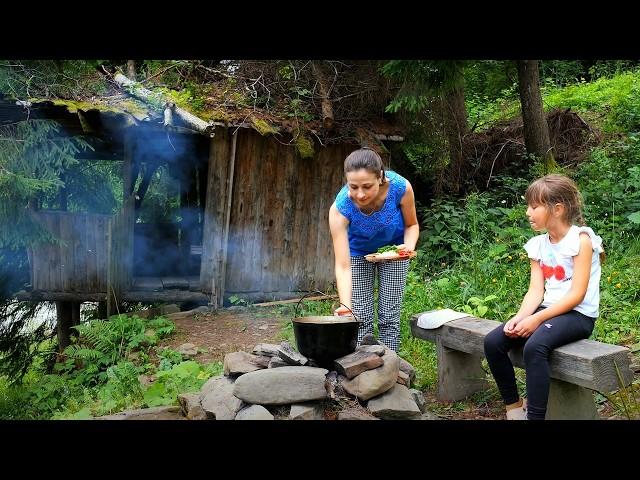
{"x":170,"y":173}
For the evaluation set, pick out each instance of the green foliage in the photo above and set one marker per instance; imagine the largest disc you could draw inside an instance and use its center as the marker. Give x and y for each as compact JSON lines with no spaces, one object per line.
{"x":162,"y":200}
{"x":122,"y":389}
{"x":420,"y":81}
{"x":96,"y":187}
{"x":76,"y":79}
{"x":21,"y":343}
{"x":478,"y":307}
{"x":101,"y":343}
{"x":616,"y":99}
{"x":237,"y":301}
{"x":184,"y":377}
{"x":33,"y":155}
{"x":168,"y":358}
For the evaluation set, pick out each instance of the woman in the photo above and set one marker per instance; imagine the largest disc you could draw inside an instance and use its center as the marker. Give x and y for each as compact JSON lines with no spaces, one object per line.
{"x":375,"y":208}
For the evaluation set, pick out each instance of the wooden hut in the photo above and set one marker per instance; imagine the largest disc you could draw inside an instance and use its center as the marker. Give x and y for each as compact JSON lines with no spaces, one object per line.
{"x":253,"y":219}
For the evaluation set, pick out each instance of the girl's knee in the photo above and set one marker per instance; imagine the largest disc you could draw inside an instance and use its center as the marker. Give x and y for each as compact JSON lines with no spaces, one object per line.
{"x":494,"y":339}
{"x":533,"y":349}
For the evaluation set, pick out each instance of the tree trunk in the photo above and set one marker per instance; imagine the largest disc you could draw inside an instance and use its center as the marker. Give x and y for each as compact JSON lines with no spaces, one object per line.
{"x":536,"y":129}
{"x":455,"y":114}
{"x":327,"y":108}
{"x":131,"y":70}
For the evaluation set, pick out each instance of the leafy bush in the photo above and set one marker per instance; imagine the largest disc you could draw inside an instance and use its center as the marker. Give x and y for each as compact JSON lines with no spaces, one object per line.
{"x":185,"y":377}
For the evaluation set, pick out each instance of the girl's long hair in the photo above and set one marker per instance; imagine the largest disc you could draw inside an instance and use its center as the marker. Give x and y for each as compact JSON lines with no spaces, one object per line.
{"x":554,"y":188}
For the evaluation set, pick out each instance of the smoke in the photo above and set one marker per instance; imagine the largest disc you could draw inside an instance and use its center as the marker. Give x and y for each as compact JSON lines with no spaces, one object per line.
{"x":168,"y":229}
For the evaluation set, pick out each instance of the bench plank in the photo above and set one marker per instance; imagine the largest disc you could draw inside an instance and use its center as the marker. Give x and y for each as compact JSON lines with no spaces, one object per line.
{"x":595,"y":365}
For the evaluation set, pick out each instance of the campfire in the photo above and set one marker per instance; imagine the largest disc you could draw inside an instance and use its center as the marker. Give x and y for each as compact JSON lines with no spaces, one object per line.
{"x":278,"y":382}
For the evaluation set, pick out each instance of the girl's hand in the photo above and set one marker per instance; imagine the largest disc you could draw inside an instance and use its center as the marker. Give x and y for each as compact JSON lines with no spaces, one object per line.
{"x":342,"y":311}
{"x":526,"y":327}
{"x":509,"y":327}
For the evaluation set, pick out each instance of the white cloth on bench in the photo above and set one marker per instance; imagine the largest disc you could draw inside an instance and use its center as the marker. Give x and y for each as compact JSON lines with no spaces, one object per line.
{"x":437,"y":318}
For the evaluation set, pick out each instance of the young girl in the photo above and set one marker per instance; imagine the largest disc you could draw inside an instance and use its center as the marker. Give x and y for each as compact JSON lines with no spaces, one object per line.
{"x":375,"y":208}
{"x":561,"y":305}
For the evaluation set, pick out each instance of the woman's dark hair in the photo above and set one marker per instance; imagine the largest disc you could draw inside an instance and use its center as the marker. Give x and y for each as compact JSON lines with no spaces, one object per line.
{"x":364,"y":158}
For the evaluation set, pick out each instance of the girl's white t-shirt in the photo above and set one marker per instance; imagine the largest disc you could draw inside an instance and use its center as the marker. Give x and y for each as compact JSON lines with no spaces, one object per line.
{"x":556,"y":261}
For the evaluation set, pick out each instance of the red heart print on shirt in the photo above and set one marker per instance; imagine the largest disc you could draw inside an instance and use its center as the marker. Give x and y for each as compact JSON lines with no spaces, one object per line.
{"x":547,"y":270}
{"x":558,"y":272}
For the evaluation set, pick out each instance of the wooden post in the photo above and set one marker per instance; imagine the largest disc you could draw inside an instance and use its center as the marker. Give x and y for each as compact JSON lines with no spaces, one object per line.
{"x":459,"y":374}
{"x":570,"y":402}
{"x":225,"y":238}
{"x":75,"y":315}
{"x":63,"y":324}
{"x":102,"y":310}
{"x":128,"y":178}
{"x":109,"y":269}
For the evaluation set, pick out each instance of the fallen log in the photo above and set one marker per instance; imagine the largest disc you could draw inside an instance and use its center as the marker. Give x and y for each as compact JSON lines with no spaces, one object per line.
{"x":146,"y":95}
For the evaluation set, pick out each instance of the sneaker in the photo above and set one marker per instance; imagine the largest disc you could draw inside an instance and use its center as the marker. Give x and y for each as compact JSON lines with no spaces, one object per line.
{"x":518,"y":413}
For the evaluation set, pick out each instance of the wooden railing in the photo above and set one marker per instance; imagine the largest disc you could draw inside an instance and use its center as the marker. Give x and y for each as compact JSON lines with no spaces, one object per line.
{"x":78,"y":261}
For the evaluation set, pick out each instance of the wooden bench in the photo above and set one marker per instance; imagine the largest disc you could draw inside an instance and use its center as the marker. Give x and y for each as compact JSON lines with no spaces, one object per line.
{"x":576,"y":368}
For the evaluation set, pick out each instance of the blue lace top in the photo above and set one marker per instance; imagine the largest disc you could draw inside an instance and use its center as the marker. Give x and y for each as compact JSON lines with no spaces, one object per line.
{"x":367,"y":233}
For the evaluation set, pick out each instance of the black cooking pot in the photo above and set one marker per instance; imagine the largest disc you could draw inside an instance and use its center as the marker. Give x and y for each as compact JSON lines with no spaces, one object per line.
{"x":325,"y":338}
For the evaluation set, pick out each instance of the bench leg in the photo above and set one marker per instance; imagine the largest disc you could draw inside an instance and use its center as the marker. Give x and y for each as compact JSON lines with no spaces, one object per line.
{"x":570,"y":402}
{"x":459,"y":374}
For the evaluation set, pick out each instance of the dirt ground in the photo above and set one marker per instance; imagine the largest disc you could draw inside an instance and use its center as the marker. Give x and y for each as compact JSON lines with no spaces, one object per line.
{"x":226,"y":331}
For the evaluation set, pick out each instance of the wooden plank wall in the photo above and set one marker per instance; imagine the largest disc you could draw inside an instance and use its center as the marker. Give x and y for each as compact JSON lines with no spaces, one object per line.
{"x":279,"y":238}
{"x":79,"y":262}
{"x":121,"y":248}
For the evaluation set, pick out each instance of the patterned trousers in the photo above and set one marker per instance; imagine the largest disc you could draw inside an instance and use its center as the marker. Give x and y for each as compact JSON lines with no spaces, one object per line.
{"x":392,"y":277}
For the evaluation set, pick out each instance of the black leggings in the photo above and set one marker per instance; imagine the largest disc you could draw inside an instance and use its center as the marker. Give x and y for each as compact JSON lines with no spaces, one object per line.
{"x":552,"y":333}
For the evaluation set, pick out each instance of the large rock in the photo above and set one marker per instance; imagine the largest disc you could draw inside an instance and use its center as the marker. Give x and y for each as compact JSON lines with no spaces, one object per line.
{"x":403,"y":379}
{"x":265,"y":349}
{"x":188,"y":350}
{"x":277,"y":362}
{"x":377,"y":349}
{"x":355,"y":363}
{"x":217,"y":399}
{"x":418,"y":397}
{"x":238,"y":363}
{"x":394,"y":404}
{"x":407,"y":368}
{"x":355,"y":414}
{"x":153,"y":413}
{"x":374,"y":382}
{"x":307,"y":411}
{"x":369,"y":339}
{"x":279,"y":386}
{"x":254,"y":412}
{"x":191,"y":408}
{"x":289,"y":355}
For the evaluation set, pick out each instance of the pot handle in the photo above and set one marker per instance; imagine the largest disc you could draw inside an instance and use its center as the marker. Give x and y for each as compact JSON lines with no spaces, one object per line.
{"x":309,"y":292}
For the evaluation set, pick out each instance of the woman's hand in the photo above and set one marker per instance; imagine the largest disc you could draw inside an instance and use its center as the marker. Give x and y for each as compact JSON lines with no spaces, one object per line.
{"x":403,"y":248}
{"x":341,"y":311}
